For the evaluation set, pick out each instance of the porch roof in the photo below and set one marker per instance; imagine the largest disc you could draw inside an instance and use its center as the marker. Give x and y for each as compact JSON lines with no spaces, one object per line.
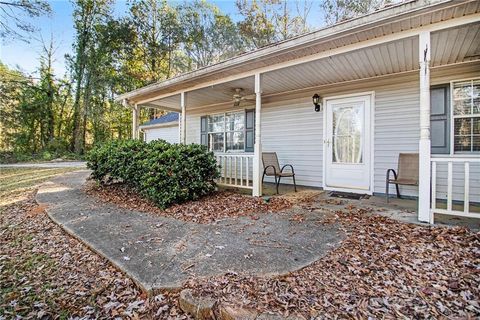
{"x":329,"y":55}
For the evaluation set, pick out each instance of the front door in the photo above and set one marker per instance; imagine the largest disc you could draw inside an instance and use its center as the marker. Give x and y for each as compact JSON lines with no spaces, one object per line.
{"x":347,"y":144}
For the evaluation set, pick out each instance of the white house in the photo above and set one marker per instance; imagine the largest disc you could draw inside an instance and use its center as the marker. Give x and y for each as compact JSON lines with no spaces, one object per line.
{"x":164,"y":127}
{"x":402,"y":79}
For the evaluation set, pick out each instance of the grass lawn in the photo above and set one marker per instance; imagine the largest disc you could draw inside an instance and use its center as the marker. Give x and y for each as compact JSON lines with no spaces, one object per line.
{"x":13,"y":181}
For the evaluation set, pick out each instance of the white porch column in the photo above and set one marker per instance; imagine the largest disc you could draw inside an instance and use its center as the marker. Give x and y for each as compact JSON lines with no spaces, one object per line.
{"x":135,"y":120}
{"x":183,"y":117}
{"x":179,"y":128}
{"x":257,"y":158}
{"x":424,"y":144}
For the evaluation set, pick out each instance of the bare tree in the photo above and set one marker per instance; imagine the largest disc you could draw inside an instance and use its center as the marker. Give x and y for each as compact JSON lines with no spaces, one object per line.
{"x":268,"y":21}
{"x":15,"y":16}
{"x":340,"y":10}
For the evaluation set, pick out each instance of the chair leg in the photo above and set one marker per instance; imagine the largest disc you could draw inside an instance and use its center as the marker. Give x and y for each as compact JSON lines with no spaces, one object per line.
{"x":278,"y":183}
{"x":398,"y":191}
{"x":386,"y":189}
{"x":263,"y":176}
{"x":294,"y":183}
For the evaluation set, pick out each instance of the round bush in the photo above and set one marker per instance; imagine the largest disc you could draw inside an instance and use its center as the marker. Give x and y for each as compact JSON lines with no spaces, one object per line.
{"x":163,"y":172}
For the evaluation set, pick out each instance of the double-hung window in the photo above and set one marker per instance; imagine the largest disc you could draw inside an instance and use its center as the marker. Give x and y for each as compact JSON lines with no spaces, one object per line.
{"x":228,"y":132}
{"x":466,"y":116}
{"x":455,"y":117}
{"x":216,"y":132}
{"x":235,"y":131}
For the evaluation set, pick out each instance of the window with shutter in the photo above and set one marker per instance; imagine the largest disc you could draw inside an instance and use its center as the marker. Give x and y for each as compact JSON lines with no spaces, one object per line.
{"x":440,"y":119}
{"x":228,"y":132}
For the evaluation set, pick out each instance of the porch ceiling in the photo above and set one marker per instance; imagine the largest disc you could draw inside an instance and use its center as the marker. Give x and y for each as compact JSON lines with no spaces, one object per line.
{"x":456,"y":45}
{"x":214,"y":94}
{"x":449,"y":46}
{"x":220,"y":93}
{"x":387,"y":58}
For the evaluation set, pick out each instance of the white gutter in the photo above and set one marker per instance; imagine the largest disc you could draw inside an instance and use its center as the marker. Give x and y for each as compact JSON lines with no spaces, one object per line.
{"x":160,"y":125}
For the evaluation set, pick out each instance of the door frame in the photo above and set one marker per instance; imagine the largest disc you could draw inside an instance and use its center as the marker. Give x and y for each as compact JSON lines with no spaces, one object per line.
{"x":372,"y":140}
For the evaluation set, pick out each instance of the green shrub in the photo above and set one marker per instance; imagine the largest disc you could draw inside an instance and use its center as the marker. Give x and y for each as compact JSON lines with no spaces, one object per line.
{"x":47,"y":156}
{"x":164,"y":173}
{"x":117,"y":160}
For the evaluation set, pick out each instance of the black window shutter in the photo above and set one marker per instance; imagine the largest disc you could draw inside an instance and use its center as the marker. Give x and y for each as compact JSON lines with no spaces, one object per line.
{"x":203,"y":131}
{"x":249,"y":130}
{"x":440,"y":119}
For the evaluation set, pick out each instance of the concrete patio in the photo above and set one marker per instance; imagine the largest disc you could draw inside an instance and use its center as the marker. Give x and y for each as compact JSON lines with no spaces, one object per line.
{"x":162,"y":253}
{"x":404,"y":209}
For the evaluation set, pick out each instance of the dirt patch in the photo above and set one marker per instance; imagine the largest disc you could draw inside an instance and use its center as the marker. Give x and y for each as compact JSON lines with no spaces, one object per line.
{"x":219,"y":205}
{"x":383,"y":269}
{"x":301,"y":197}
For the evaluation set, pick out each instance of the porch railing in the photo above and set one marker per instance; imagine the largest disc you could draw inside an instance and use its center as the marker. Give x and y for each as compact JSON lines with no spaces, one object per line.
{"x":235,"y":170}
{"x":449,"y":210}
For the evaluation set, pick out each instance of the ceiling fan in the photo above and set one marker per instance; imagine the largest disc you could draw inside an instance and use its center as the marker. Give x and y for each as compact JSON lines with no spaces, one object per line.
{"x":238,"y":97}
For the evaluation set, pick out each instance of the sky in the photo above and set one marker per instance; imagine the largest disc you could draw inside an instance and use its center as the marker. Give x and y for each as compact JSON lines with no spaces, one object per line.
{"x":59,"y":25}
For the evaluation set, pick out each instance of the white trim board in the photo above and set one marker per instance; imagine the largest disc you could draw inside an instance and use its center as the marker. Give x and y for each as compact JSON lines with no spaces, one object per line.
{"x":159,"y":125}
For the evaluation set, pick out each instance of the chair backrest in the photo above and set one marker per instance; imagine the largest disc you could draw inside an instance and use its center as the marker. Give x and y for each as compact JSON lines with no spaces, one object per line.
{"x":408,"y":166}
{"x":270,"y":159}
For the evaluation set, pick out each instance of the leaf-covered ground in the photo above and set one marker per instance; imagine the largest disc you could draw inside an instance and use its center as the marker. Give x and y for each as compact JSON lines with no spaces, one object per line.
{"x":383,"y":269}
{"x":219,"y":205}
{"x":45,"y":273}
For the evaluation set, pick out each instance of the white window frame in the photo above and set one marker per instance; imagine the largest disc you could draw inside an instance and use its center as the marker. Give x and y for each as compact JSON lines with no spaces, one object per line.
{"x":453,"y":117}
{"x":224,"y":114}
{"x":213,"y":132}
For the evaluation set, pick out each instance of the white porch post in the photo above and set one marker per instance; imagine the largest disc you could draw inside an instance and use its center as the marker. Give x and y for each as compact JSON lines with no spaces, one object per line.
{"x":135,"y":120}
{"x":183,"y":117}
{"x":180,"y":128}
{"x":424,"y":144}
{"x":257,"y":163}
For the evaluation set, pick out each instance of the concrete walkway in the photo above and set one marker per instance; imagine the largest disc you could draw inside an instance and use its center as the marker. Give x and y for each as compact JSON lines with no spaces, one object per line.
{"x":161,"y":253}
{"x":52,"y":164}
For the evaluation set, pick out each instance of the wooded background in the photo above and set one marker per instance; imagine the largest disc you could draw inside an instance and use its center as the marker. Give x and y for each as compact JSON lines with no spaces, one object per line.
{"x":47,"y":115}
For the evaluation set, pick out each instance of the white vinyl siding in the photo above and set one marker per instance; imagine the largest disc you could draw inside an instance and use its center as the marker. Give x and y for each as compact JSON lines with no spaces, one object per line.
{"x":169,"y":134}
{"x":396,"y":130}
{"x":458,"y":181}
{"x":295,"y":131}
{"x":397,"y":121}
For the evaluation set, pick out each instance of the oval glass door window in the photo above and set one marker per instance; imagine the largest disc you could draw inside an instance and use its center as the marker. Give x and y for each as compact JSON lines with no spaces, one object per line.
{"x":347,"y":134}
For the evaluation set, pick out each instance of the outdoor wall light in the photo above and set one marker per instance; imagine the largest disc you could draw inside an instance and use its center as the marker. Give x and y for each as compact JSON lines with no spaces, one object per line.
{"x":317,"y":102}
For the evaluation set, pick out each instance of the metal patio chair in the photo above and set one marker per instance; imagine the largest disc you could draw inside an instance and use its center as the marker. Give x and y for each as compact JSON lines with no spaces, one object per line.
{"x":407,"y":173}
{"x":272,"y":168}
